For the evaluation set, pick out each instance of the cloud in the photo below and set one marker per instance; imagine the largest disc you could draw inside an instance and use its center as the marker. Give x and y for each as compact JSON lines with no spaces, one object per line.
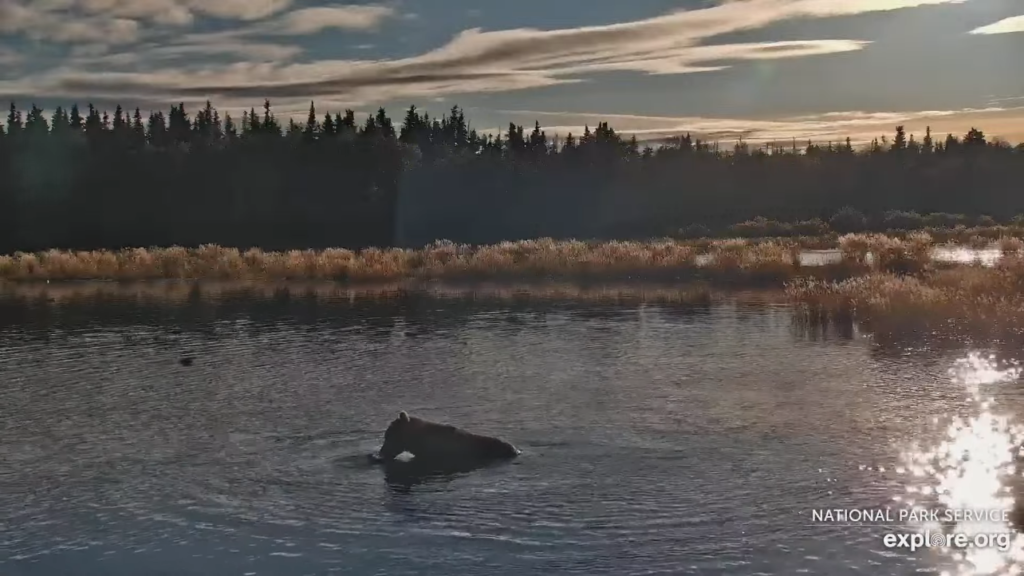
{"x":184,"y":12}
{"x":113,"y":31}
{"x":43,"y":23}
{"x":99,"y":55}
{"x":239,"y":9}
{"x":994,"y":100}
{"x":860,"y":126}
{"x":1004,"y":26}
{"x":303,"y":22}
{"x":180,"y":12}
{"x":313,"y":20}
{"x":14,"y":16}
{"x":253,"y":50}
{"x":237,"y":42}
{"x":90,"y":20}
{"x":167,"y":12}
{"x":474,"y":61}
{"x":823,"y":8}
{"x":8,"y":57}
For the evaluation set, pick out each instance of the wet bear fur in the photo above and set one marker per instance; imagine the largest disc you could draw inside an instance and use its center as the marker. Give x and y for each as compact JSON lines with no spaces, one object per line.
{"x":440,"y":443}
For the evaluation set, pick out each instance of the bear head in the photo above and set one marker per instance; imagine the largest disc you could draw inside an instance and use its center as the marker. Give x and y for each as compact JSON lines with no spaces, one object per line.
{"x":396,"y":437}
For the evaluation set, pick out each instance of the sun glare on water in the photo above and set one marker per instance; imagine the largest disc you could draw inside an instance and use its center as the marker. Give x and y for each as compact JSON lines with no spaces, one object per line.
{"x":971,"y":468}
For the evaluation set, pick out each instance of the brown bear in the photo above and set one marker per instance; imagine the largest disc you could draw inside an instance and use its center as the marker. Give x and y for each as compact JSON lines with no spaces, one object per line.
{"x":430,"y":442}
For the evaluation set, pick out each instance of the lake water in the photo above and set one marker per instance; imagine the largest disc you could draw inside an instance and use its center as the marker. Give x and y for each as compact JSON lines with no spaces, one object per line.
{"x":656,"y":438}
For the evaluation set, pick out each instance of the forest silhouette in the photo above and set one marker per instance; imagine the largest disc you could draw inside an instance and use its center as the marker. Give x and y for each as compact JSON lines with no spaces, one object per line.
{"x":85,"y":179}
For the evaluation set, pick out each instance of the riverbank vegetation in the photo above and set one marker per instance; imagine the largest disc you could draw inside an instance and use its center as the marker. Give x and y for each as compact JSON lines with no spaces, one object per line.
{"x":973,"y":300}
{"x":885,"y":283}
{"x":87,"y":179}
{"x":766,"y":261}
{"x":763,"y":261}
{"x":950,"y":228}
{"x":544,"y":258}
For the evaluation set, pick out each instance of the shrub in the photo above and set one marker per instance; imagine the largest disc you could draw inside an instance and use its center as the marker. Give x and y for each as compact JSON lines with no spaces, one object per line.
{"x":694,"y":231}
{"x":899,"y":220}
{"x":813,"y":227}
{"x":1011,"y":246}
{"x":848,"y":220}
{"x":760,"y":227}
{"x":944,"y":220}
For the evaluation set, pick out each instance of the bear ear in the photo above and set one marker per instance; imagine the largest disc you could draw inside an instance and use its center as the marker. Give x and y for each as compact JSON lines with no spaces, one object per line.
{"x":403,"y":417}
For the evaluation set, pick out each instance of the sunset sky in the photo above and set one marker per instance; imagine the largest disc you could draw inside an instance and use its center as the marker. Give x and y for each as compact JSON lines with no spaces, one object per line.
{"x":810,"y":69}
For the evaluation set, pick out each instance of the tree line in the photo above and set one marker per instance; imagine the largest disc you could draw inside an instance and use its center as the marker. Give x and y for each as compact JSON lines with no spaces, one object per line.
{"x":86,"y":179}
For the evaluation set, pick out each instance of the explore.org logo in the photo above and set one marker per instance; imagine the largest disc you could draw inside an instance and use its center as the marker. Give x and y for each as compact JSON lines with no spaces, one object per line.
{"x":916,"y":540}
{"x":893,"y":519}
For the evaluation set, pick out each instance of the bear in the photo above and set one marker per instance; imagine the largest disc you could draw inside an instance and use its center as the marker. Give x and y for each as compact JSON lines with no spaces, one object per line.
{"x":440,"y":444}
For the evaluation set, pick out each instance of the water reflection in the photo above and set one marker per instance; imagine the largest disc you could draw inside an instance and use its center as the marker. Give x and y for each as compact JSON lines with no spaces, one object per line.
{"x":826,"y":330}
{"x":403,"y":476}
{"x":965,"y":255}
{"x":972,"y":467}
{"x":161,"y":315}
{"x":971,"y":459}
{"x":663,"y":431}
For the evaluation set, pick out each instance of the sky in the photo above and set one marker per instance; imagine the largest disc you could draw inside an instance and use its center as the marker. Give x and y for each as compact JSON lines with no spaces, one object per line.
{"x":721,"y":69}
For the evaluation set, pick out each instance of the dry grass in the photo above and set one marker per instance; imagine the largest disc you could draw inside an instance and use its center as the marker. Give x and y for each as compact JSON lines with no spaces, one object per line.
{"x":909,"y":254}
{"x":1011,"y":245}
{"x":959,"y":234}
{"x":878,"y":279}
{"x":755,"y":261}
{"x":964,"y":295}
{"x":527,"y":258}
{"x":975,"y":235}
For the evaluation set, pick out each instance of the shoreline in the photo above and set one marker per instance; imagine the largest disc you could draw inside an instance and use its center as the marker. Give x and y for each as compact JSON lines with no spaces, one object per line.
{"x":871,"y":277}
{"x":752,"y":262}
{"x":956,"y":302}
{"x":181,"y":291}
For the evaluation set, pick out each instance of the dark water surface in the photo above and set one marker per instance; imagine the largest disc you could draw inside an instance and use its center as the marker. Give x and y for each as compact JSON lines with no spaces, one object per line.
{"x":657,"y":439}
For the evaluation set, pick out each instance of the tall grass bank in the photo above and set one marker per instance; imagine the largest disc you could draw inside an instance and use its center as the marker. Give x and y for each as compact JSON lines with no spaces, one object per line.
{"x":756,"y":261}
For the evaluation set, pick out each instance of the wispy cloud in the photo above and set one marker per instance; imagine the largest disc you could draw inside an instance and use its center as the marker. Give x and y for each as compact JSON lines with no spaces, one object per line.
{"x":239,"y":9}
{"x":116,"y":22}
{"x":853,"y":7}
{"x":264,"y":51}
{"x":1006,"y":99}
{"x":306,"y":21}
{"x":859,"y":126}
{"x":168,"y":12}
{"x":312,"y":20}
{"x":45,"y":22}
{"x":179,"y":12}
{"x":249,"y":43}
{"x":240,"y":44}
{"x":1004,"y":26}
{"x":477,"y":61}
{"x":8,"y":57}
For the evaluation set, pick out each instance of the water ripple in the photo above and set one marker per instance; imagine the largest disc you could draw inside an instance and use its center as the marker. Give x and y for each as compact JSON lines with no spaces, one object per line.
{"x":656,"y":441}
